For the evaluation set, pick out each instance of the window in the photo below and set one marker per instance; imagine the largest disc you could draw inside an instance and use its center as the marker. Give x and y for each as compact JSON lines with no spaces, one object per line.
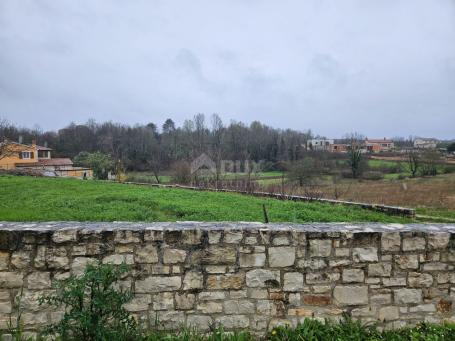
{"x":44,"y":154}
{"x":26,"y":155}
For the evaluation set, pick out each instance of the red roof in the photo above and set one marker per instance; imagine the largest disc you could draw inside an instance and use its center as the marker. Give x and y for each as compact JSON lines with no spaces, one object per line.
{"x":55,"y":162}
{"x":378,"y":141}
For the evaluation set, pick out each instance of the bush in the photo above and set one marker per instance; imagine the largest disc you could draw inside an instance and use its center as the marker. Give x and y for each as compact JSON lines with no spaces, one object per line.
{"x":372,"y":175}
{"x":93,"y":307}
{"x":347,"y":329}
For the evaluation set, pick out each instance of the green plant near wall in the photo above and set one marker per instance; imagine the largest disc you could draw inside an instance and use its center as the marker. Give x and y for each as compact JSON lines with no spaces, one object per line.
{"x":93,"y":306}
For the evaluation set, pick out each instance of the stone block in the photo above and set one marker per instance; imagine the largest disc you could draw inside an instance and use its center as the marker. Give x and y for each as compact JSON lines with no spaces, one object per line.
{"x":146,"y":254}
{"x":191,"y":237}
{"x":233,"y":321}
{"x":4,"y":260}
{"x":184,"y":301}
{"x":313,"y":264}
{"x":163,"y":301}
{"x":80,"y":263}
{"x":365,"y":254}
{"x":281,"y":256}
{"x":390,"y":241}
{"x":65,"y":235}
{"x":117,"y":259}
{"x":174,"y":256}
{"x":169,"y":319}
{"x":323,"y":277}
{"x":407,"y":296}
{"x":414,"y":244}
{"x":249,"y":260}
{"x":238,"y":307}
{"x":200,"y":322}
{"x":39,"y":280}
{"x":214,"y":255}
{"x":11,"y":280}
{"x":293,"y":281}
{"x":320,"y":247}
{"x":353,"y":275}
{"x":407,"y":261}
{"x":380,"y":269}
{"x":438,"y":241}
{"x":317,"y":300}
{"x":233,"y":237}
{"x":419,"y":280}
{"x":193,"y":280}
{"x":260,"y":278}
{"x":158,"y":283}
{"x":208,"y":307}
{"x":138,"y":303}
{"x":351,"y":295}
{"x":21,"y":259}
{"x":226,"y":281}
{"x":388,"y":314}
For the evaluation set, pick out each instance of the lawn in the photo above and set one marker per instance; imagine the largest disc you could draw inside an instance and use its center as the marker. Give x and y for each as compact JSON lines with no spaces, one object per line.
{"x":45,"y":199}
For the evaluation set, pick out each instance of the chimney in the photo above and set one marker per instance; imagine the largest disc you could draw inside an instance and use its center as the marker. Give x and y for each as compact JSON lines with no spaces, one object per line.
{"x":21,"y":139}
{"x":45,"y":144}
{"x":34,"y":142}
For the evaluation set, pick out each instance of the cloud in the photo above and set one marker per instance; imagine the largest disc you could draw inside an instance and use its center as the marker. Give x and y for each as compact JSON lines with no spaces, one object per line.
{"x":383,"y":68}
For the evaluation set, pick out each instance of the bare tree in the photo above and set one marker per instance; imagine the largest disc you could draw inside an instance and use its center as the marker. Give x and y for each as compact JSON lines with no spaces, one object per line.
{"x":355,"y":157}
{"x":413,"y":161}
{"x":217,"y":143}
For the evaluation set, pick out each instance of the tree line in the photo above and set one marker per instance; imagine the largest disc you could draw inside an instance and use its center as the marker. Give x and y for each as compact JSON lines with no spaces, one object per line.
{"x":150,"y":147}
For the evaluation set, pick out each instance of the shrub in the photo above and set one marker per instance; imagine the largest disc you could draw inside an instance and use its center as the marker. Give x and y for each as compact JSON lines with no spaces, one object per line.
{"x":347,"y":329}
{"x":93,"y":307}
{"x":373,"y":175}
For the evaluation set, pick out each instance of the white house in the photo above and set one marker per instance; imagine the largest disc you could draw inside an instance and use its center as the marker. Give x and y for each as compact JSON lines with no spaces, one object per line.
{"x":319,"y":144}
{"x":425,"y":143}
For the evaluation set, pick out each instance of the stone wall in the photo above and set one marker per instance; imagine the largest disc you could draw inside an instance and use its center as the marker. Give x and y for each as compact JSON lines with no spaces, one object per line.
{"x":242,"y":275}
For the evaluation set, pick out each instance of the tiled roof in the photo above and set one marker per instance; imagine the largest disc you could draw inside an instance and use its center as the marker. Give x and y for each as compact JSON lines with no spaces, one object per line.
{"x":43,"y":148}
{"x":56,"y":162}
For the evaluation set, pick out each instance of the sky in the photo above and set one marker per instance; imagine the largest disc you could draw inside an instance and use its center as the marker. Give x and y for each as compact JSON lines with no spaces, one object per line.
{"x":383,"y":68}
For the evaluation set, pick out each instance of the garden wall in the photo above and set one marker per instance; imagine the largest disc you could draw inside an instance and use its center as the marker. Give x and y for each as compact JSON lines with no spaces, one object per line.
{"x":242,"y":275}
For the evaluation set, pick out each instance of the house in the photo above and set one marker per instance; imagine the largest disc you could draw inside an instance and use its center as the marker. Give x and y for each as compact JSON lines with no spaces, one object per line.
{"x":425,"y":143}
{"x":319,"y":144}
{"x":339,"y":148}
{"x":379,"y":145}
{"x":14,"y":155}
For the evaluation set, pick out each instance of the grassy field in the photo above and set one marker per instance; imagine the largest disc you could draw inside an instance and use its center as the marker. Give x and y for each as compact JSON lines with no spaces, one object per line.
{"x":46,"y":199}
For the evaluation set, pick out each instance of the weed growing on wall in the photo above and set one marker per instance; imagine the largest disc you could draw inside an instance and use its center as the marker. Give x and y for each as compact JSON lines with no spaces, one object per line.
{"x":93,"y":306}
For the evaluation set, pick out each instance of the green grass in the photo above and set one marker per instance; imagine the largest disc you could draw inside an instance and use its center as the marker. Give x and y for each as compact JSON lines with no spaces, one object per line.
{"x":45,"y":199}
{"x":436,"y":212}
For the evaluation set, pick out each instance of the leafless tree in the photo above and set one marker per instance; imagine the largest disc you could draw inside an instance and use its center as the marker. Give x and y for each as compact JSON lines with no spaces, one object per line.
{"x":355,"y":158}
{"x":413,"y":161}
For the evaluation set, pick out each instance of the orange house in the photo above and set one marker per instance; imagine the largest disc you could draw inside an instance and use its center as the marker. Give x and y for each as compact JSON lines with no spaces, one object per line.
{"x":15,"y":155}
{"x":378,"y":145}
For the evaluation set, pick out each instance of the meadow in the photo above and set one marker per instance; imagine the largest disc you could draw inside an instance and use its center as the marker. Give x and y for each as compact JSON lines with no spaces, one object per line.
{"x":24,"y":198}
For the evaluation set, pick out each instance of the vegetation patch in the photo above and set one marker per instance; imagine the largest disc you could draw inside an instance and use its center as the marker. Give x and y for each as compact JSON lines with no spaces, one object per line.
{"x":25,"y":198}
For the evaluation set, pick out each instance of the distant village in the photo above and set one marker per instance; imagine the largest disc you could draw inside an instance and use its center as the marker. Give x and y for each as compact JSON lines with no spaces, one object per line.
{"x":367,"y":145}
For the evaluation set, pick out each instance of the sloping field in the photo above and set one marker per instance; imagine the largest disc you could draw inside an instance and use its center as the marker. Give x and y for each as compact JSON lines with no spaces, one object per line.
{"x":45,"y":199}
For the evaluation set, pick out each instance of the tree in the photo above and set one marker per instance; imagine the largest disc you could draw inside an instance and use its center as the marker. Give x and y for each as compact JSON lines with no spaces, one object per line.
{"x":355,"y":157}
{"x":303,"y":171}
{"x":99,"y":162}
{"x":451,"y":147}
{"x":430,"y":160}
{"x":413,"y":161}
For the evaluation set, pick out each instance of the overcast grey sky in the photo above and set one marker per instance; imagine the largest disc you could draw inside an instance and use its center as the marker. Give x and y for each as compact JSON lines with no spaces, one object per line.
{"x":380,"y":67}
